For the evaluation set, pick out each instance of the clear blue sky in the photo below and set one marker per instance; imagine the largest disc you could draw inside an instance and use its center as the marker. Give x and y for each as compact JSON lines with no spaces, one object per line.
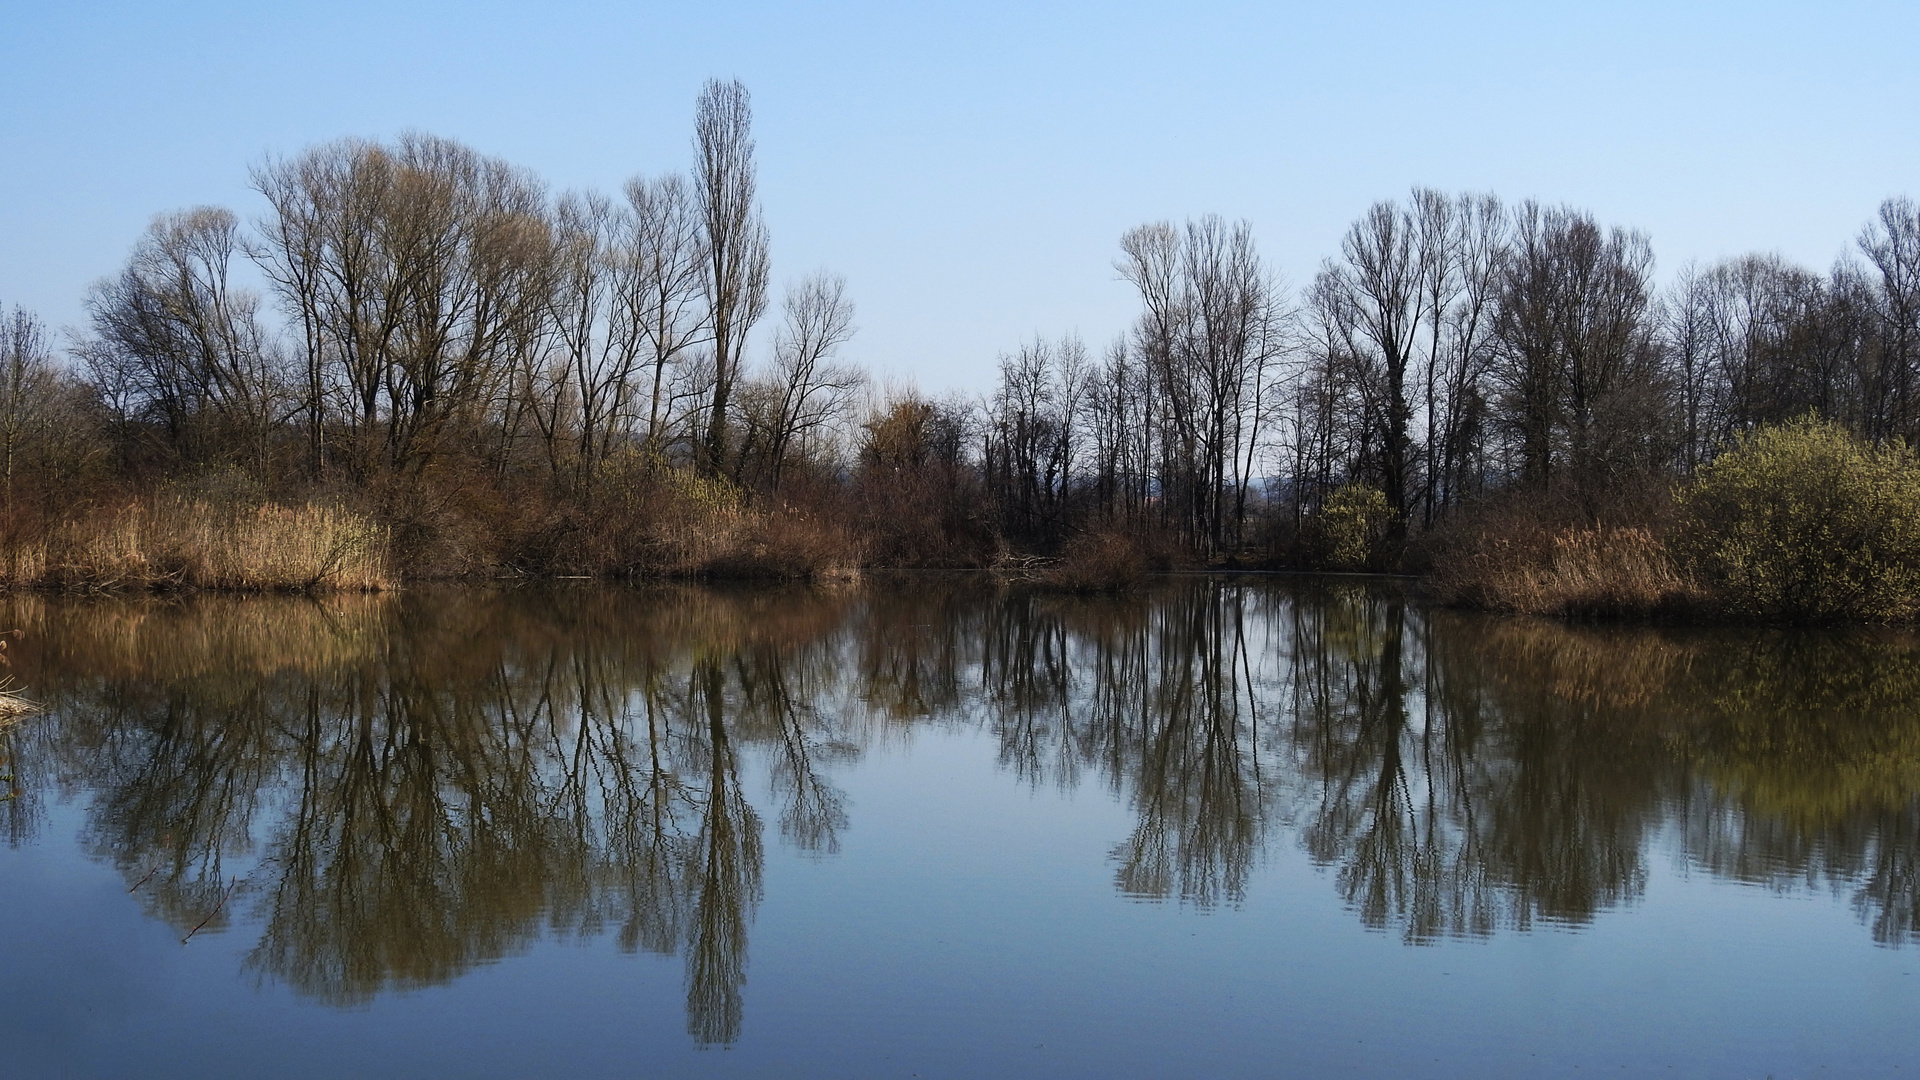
{"x":970,"y":167}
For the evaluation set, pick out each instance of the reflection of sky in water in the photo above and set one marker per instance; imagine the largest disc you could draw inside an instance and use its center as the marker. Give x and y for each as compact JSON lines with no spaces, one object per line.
{"x":970,"y":922}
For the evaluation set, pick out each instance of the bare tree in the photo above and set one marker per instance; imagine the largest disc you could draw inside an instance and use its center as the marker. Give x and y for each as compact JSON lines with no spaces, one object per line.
{"x":1151,"y":262}
{"x":1581,"y":386}
{"x":602,"y":293}
{"x":201,"y":362}
{"x":317,"y":246}
{"x":27,"y":387}
{"x":1687,"y":334}
{"x":660,"y":286}
{"x":813,"y":392}
{"x":735,"y":246}
{"x":1458,"y":245}
{"x":1117,"y":423}
{"x":1479,"y":248}
{"x":1208,"y":338}
{"x":421,"y":275}
{"x":1021,"y":443}
{"x":1369,"y":303}
{"x":1892,"y":244}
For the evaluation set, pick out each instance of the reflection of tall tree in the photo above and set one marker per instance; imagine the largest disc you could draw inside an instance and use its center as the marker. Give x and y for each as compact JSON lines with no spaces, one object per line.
{"x":729,"y":875}
{"x":783,"y":708}
{"x":180,"y":791}
{"x":646,"y":804}
{"x":1196,"y":787}
{"x":476,"y":779}
{"x":422,"y":840}
{"x":913,"y":648}
{"x":1357,"y":736}
{"x":1388,"y":803}
{"x":1159,"y":698}
{"x":1028,"y":680}
{"x":1565,"y":826}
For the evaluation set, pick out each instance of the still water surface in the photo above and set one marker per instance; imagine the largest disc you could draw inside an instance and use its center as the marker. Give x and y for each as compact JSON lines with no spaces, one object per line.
{"x":930,"y":828}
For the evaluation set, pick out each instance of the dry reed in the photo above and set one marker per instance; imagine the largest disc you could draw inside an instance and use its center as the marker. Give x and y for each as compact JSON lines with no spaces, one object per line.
{"x":785,"y":545}
{"x":1606,"y":571}
{"x":174,"y":543}
{"x":704,"y":528}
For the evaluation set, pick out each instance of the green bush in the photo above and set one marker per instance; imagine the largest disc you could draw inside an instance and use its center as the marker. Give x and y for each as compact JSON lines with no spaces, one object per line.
{"x":1352,"y":523}
{"x":1808,"y":523}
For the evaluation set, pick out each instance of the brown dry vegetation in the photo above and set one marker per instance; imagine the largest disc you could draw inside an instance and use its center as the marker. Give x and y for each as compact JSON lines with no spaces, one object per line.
{"x":1107,"y":560}
{"x":1530,"y":568}
{"x":172,"y":542}
{"x":670,"y":525}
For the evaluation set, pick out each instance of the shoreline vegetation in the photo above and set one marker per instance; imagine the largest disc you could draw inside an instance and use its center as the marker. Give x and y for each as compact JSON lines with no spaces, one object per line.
{"x":1795,"y":523}
{"x":449,"y":372}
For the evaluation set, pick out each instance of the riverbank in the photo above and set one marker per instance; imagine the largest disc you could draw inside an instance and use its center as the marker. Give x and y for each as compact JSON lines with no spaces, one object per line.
{"x":1800,"y":523}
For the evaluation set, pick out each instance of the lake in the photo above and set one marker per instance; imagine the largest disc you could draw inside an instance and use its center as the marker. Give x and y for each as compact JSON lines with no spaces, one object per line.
{"x":927,"y":826}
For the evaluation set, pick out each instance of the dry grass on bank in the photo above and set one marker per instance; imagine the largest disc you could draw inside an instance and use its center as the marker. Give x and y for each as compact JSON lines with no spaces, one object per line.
{"x":684,"y":528}
{"x":704,"y":528}
{"x":1595,"y":572}
{"x":175,"y":543}
{"x":1802,"y":522}
{"x":787,"y":545}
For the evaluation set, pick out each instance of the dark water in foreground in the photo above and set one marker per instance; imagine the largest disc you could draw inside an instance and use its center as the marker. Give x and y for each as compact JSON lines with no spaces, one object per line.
{"x":927,"y":828}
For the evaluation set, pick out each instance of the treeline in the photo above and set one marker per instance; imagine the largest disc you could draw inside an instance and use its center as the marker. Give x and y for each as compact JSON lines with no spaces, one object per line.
{"x":1455,"y":349}
{"x":497,"y":378}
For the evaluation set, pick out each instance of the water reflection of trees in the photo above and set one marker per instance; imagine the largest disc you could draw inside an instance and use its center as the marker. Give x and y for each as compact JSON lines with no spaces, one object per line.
{"x":1156,"y":700}
{"x":1807,"y":759}
{"x":1457,"y":774}
{"x":401,"y":789}
{"x":477,"y":775}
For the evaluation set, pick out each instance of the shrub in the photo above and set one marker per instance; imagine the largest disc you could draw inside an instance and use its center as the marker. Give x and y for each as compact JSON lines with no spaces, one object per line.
{"x":1805,"y":522}
{"x":1352,"y":523}
{"x":1108,"y":560}
{"x":693,"y":522}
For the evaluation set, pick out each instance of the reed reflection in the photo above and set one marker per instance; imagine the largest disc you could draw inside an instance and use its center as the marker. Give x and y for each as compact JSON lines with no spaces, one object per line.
{"x":399,"y":789}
